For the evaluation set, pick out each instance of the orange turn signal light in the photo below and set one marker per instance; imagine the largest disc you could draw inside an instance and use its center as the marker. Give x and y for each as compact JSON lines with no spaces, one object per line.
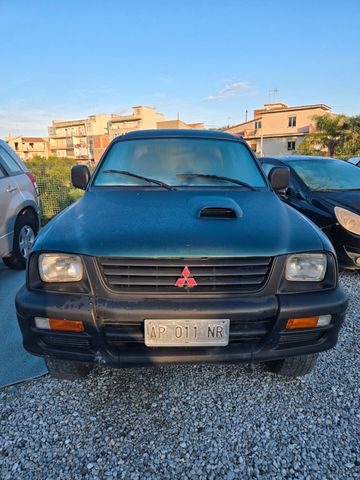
{"x":59,"y":325}
{"x":305,"y":322}
{"x":66,"y":325}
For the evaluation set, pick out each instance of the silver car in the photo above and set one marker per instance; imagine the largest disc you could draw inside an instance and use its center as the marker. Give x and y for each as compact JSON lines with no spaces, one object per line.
{"x":19,"y":209}
{"x":355,"y":161}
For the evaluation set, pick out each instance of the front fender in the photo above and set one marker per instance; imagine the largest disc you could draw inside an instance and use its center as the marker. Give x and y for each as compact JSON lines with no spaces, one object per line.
{"x":18,"y":203}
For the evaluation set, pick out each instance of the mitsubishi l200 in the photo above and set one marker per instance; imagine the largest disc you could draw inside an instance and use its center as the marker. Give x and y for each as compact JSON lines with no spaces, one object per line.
{"x":179,"y":251}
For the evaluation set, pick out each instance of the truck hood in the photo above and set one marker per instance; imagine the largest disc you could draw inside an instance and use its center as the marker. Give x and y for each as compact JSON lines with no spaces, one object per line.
{"x":162,"y":223}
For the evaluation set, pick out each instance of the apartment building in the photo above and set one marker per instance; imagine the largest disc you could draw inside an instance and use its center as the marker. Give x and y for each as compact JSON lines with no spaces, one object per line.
{"x":86,"y":139}
{"x":180,"y":124}
{"x":29,"y":147}
{"x":278,"y":129}
{"x":74,"y":138}
{"x":100,"y":142}
{"x":142,"y":118}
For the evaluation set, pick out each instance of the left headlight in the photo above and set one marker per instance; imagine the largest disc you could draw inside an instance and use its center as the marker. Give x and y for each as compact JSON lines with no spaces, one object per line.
{"x":306,"y":267}
{"x":349,"y":220}
{"x":60,"y":267}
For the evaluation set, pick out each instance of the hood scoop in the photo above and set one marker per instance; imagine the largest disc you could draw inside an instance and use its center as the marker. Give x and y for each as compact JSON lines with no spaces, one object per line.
{"x":217,"y":212}
{"x":215,"y":207}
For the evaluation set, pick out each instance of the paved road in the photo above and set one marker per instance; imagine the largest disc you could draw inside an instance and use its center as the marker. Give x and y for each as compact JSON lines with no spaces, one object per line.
{"x":15,"y":363}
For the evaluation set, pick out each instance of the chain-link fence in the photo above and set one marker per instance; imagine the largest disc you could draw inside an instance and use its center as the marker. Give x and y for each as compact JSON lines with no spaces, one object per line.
{"x":53,"y":179}
{"x":54,"y":196}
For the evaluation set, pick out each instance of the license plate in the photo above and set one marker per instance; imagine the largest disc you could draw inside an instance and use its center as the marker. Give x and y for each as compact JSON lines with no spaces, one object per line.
{"x":186,"y":332}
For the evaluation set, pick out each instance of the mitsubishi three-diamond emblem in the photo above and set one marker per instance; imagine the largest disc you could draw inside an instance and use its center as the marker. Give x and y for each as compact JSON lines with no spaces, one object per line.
{"x":186,"y":279}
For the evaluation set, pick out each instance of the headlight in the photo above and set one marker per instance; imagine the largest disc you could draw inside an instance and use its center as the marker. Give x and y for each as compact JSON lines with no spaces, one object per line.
{"x":349,"y":220}
{"x":306,"y":267}
{"x":60,"y":267}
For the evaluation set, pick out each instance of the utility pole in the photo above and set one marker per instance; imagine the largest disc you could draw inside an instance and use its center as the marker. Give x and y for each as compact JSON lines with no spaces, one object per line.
{"x":272,"y":95}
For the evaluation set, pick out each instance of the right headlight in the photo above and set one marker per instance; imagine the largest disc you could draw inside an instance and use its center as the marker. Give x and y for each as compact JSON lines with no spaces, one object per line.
{"x":60,"y":267}
{"x":349,"y":220}
{"x":306,"y":267}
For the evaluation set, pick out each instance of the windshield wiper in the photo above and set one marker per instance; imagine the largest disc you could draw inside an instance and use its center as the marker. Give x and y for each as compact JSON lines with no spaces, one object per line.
{"x":134,"y":175}
{"x":216,"y":177}
{"x":326,"y":190}
{"x":337,"y":190}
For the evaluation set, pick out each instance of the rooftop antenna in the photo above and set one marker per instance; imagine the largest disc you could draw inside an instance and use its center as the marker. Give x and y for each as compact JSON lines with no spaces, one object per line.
{"x":272,"y":94}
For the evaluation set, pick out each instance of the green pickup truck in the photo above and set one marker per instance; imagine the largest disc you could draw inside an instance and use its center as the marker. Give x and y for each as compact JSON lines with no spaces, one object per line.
{"x":180,"y":251}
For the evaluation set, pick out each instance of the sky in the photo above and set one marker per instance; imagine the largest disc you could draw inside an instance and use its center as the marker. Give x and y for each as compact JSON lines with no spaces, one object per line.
{"x":209,"y":61}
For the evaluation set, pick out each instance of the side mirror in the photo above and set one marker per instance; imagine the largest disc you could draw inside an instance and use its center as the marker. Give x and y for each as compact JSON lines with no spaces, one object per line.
{"x":80,"y":176}
{"x":279,"y":178}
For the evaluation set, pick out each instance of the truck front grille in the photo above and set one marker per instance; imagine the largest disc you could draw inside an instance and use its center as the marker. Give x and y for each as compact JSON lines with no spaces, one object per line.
{"x":159,"y":275}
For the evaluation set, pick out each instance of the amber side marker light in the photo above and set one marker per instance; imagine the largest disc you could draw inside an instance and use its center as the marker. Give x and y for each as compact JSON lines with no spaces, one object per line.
{"x":308,"y":322}
{"x":59,"y":325}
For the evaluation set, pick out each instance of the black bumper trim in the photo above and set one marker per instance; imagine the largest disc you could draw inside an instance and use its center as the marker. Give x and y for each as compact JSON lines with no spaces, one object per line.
{"x":96,"y":314}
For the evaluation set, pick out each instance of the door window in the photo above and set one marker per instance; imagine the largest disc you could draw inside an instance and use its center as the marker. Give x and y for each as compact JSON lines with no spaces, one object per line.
{"x":9,"y":163}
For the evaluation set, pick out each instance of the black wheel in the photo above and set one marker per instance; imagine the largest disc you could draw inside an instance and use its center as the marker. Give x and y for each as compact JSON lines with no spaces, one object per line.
{"x":24,"y":236}
{"x":293,"y":366}
{"x":67,"y":370}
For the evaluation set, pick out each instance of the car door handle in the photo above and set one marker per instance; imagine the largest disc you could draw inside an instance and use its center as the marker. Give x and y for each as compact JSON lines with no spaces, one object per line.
{"x":11,"y":189}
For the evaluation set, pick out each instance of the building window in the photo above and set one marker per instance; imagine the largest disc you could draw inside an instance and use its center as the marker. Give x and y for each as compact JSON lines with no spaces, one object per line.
{"x":291,"y":145}
{"x":292,"y":122}
{"x":257,"y":124}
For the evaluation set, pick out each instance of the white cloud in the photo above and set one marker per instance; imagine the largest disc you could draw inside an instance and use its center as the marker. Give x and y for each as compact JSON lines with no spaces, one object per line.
{"x":230,"y":90}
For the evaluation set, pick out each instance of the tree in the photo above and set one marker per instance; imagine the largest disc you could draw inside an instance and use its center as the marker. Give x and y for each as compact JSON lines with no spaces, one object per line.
{"x":330,"y":135}
{"x":351,"y":144}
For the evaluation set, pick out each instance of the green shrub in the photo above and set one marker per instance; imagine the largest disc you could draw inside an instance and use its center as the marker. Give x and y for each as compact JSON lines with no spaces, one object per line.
{"x":53,"y":176}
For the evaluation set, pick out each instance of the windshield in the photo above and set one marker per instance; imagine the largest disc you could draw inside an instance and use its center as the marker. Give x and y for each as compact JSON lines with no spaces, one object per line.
{"x":178,"y":162}
{"x":327,"y":174}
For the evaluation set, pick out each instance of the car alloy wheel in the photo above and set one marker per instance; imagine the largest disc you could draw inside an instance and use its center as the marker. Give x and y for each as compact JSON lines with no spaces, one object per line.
{"x":26,"y":240}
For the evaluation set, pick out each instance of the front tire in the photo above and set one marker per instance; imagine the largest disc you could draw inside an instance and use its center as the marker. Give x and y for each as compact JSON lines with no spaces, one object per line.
{"x":66,"y":369}
{"x":24,"y":237}
{"x":293,"y":366}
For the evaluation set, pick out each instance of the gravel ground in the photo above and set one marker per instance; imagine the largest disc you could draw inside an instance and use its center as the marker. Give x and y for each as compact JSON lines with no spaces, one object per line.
{"x":198,"y":422}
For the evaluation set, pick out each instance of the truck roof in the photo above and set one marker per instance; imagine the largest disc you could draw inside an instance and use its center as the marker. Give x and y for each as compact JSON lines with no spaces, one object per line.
{"x":179,"y":133}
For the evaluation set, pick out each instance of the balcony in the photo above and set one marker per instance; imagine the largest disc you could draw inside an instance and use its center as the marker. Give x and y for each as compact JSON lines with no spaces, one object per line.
{"x":53,"y":135}
{"x":62,"y":148}
{"x":74,"y":133}
{"x":78,"y":133}
{"x":251,"y":133}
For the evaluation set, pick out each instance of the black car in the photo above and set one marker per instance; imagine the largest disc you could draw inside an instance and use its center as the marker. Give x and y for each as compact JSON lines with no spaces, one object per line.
{"x":327,"y":191}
